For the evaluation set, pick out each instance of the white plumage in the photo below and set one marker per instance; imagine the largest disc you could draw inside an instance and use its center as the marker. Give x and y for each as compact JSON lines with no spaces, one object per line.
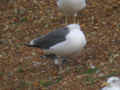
{"x":71,"y":7}
{"x":65,"y":42}
{"x":74,"y":43}
{"x":113,"y":84}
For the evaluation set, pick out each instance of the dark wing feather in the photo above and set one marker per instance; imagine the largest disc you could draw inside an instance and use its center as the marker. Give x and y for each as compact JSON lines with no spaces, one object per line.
{"x":52,"y":38}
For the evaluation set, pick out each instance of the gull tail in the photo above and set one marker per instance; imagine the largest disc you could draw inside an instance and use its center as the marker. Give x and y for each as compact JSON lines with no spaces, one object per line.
{"x":31,"y":44}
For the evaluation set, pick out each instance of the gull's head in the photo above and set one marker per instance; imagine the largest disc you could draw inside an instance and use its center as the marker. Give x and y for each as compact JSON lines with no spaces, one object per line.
{"x":113,"y":80}
{"x":73,"y":26}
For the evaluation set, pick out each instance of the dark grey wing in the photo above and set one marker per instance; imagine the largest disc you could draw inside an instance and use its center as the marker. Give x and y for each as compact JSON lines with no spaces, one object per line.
{"x":52,"y":38}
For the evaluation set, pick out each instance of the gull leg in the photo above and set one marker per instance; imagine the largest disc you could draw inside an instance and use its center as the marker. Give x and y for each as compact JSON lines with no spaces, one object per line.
{"x":64,"y":60}
{"x":66,"y":20}
{"x":59,"y":63}
{"x":56,"y":61}
{"x":75,"y":18}
{"x":78,"y":18}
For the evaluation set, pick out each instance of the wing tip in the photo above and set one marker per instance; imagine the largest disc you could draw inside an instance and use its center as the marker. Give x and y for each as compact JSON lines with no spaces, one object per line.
{"x":28,"y":44}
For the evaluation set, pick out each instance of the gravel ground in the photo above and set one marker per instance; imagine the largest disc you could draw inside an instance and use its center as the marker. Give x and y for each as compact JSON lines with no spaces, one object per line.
{"x":21,"y":67}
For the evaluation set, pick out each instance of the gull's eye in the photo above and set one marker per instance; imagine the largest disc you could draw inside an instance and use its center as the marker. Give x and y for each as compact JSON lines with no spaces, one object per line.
{"x":113,"y":81}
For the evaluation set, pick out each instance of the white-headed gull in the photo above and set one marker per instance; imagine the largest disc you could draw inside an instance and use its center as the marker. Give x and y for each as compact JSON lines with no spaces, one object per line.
{"x":113,"y":83}
{"x":65,"y":42}
{"x":71,"y":7}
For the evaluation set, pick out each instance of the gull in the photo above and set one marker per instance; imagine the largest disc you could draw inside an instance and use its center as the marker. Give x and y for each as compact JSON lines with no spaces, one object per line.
{"x":67,"y":41}
{"x":71,"y":7}
{"x":113,"y":83}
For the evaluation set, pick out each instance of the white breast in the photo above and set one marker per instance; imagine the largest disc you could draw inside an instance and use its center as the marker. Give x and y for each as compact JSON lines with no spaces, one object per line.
{"x":71,"y":6}
{"x":74,"y":43}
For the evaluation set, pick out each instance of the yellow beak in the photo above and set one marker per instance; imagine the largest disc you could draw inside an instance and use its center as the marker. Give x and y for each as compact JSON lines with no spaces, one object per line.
{"x":105,"y":84}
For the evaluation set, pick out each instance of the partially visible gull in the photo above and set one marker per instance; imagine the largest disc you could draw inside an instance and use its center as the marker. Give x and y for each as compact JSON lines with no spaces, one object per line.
{"x":64,"y":42}
{"x":113,"y":83}
{"x":71,"y":7}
